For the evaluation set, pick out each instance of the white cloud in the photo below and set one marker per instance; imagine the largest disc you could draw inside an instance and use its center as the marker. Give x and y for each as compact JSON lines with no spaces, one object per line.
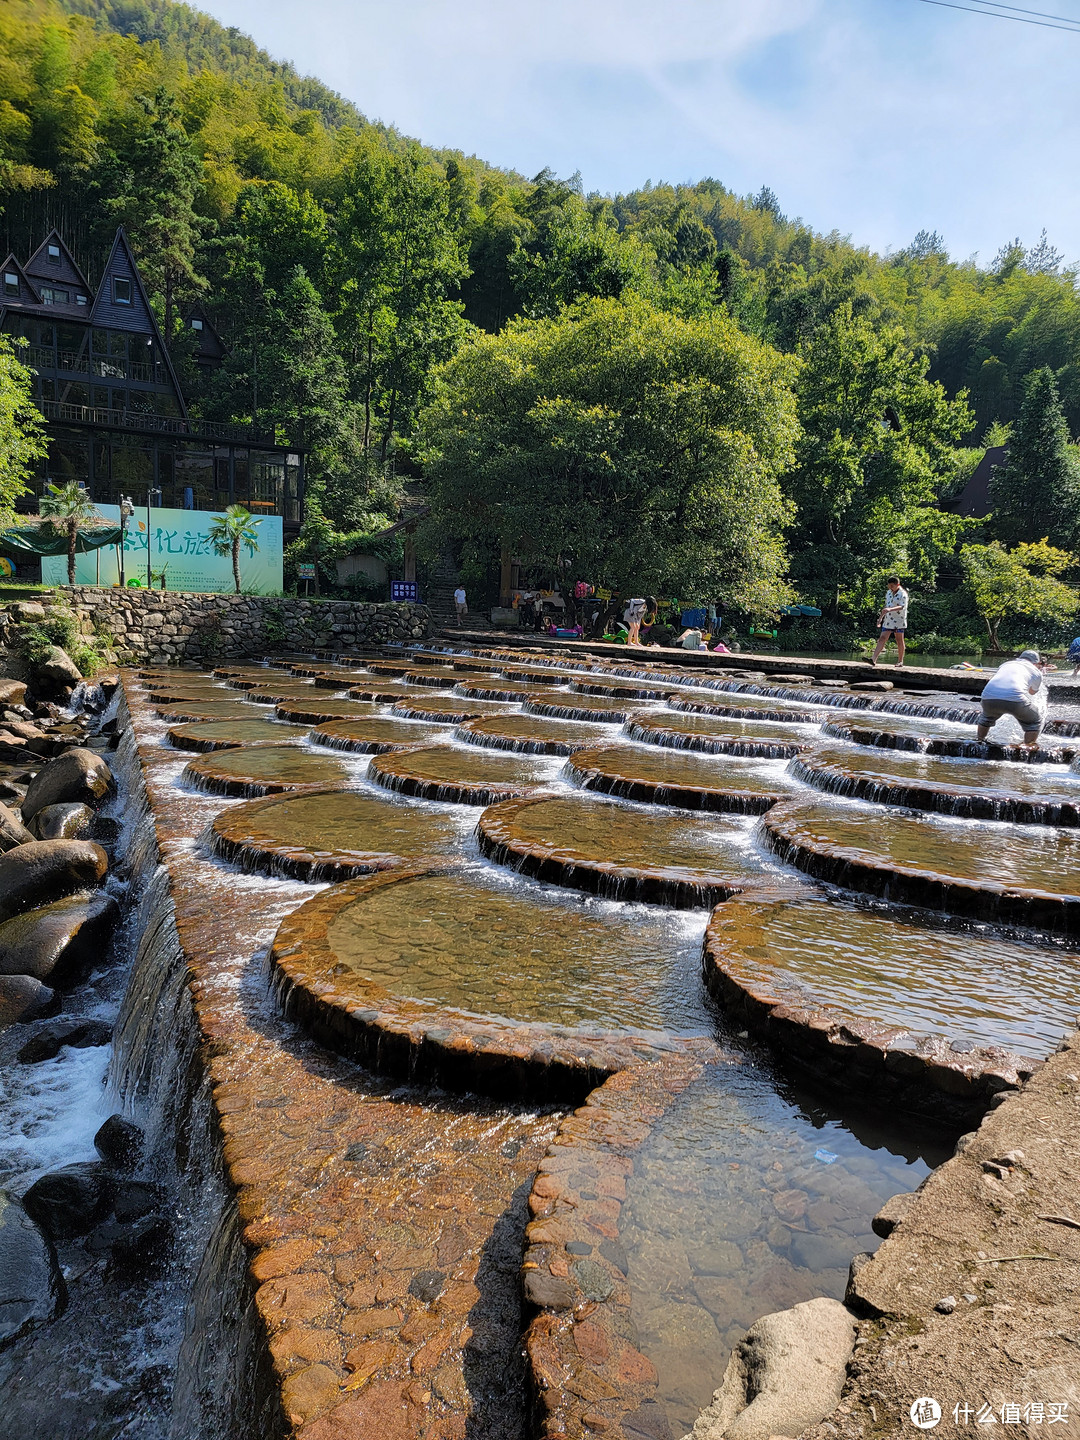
{"x":876,"y":117}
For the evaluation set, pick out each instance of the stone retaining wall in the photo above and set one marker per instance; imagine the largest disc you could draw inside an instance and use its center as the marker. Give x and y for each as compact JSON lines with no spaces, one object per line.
{"x":163,"y":628}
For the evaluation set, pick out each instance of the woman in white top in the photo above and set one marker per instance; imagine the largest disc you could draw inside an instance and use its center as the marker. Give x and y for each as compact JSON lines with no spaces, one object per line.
{"x":1015,"y":689}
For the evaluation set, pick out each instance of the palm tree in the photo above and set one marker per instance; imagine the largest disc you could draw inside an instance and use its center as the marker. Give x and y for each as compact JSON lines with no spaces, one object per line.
{"x":68,"y":506}
{"x":229,"y":531}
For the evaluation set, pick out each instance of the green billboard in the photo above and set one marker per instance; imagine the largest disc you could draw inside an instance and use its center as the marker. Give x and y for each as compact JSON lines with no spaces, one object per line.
{"x":178,"y":543}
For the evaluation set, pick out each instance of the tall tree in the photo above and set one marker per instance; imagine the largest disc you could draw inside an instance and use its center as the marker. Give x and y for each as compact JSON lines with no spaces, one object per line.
{"x":68,"y":507}
{"x":1037,"y":491}
{"x":642,"y":446}
{"x":22,"y":430}
{"x":877,"y":445}
{"x":151,"y":182}
{"x":400,"y":265}
{"x":228,"y":532}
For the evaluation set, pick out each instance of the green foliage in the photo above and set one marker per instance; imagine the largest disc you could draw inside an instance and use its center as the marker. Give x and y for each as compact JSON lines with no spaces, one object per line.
{"x":643,"y":447}
{"x":1037,"y":491}
{"x":228,"y":532}
{"x":1023,"y":582}
{"x":877,"y":445}
{"x":22,"y":434}
{"x":67,"y":507}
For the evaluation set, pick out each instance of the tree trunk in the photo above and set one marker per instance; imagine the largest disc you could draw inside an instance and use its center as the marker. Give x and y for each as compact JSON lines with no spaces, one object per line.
{"x":72,"y":535}
{"x":236,"y":563}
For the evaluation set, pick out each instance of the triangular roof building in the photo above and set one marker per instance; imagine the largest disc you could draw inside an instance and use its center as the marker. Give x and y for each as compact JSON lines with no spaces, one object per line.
{"x":57,"y":278}
{"x":122,"y":304}
{"x":16,"y":287}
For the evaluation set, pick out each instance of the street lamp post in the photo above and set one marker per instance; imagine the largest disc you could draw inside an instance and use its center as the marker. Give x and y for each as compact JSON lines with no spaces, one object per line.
{"x":127,"y":509}
{"x":153,"y":497}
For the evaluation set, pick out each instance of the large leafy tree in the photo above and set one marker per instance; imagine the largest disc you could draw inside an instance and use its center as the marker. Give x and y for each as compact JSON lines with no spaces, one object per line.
{"x":877,"y":445}
{"x":1024,"y":581}
{"x":642,"y":446}
{"x":68,"y":507}
{"x":229,"y":531}
{"x":400,"y":263}
{"x":22,"y":430}
{"x":1037,"y":491}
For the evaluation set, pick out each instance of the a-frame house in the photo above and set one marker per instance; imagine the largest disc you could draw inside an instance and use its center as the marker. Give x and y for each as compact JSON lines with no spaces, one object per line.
{"x":57,"y":278}
{"x":122,"y":304}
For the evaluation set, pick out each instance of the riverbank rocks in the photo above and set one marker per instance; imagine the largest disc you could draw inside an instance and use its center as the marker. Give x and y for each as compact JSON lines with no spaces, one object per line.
{"x":22,"y":998}
{"x":70,"y":821}
{"x":48,"y":1040}
{"x":785,"y":1375}
{"x":77,"y":777}
{"x":44,"y":870}
{"x":120,"y":1141}
{"x":12,"y":831}
{"x":31,"y":1287}
{"x":70,"y":1201}
{"x":59,"y":941}
{"x":12,"y":692}
{"x":55,"y":675}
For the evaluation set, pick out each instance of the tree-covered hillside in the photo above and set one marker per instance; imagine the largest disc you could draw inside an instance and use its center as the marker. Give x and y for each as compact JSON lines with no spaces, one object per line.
{"x":346,"y":266}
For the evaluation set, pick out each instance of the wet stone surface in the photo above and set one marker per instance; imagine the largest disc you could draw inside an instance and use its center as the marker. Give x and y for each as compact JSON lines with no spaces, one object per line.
{"x":317,"y":710}
{"x":256,"y":770}
{"x":374,"y":735}
{"x":885,"y":965}
{"x":223,"y":734}
{"x":681,"y":778}
{"x":329,"y":835}
{"x":445,"y":709}
{"x":461,"y":942}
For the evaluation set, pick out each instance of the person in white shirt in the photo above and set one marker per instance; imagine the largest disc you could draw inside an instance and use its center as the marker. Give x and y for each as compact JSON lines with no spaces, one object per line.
{"x":459,"y":603}
{"x":1015,"y":689}
{"x":892,"y":620}
{"x":633,"y":615}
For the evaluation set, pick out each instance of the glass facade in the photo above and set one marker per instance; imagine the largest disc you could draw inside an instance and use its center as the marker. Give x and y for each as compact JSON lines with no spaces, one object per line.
{"x":116,"y":424}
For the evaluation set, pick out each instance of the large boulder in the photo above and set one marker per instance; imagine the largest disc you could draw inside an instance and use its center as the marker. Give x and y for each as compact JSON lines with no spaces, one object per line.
{"x":69,"y":821}
{"x":12,"y":831}
{"x":48,"y":1040}
{"x":55,"y":675}
{"x":70,"y":1201}
{"x":12,"y":692}
{"x":78,"y":777}
{"x":45,"y":870}
{"x":120,"y":1141}
{"x":31,"y":1286}
{"x":785,"y":1375}
{"x":58,"y":942}
{"x":22,"y":999}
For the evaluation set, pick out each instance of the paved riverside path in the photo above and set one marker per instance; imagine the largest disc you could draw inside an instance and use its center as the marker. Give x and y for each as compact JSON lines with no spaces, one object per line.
{"x":986,"y":1232}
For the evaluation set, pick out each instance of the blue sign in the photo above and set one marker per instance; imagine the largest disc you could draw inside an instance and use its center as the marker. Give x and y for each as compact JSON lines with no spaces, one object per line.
{"x":404,"y":590}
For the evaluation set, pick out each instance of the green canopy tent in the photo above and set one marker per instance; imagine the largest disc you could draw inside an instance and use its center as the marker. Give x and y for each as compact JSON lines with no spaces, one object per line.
{"x":41,"y":540}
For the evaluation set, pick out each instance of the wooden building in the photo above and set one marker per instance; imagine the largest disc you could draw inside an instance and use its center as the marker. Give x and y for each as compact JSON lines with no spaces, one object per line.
{"x":116,"y":415}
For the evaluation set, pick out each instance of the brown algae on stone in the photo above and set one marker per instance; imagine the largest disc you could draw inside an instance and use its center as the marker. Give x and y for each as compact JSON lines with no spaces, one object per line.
{"x":623,"y":852}
{"x":265,"y":770}
{"x":329,"y":835}
{"x":681,"y":779}
{"x":444,"y":709}
{"x":462,"y":776}
{"x":715,"y":735}
{"x":224,"y":734}
{"x":316,"y":711}
{"x":375,"y":735}
{"x":532,"y":734}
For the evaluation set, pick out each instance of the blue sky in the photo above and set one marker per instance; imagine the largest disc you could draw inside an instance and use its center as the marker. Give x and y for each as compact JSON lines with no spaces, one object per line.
{"x":877,"y":118}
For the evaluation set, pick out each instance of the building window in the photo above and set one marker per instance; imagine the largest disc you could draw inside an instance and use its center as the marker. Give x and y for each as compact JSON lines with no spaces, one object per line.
{"x":52,"y":254}
{"x":121,"y":290}
{"x":80,"y":299}
{"x":196,"y":324}
{"x":11,"y":284}
{"x":50,"y":295}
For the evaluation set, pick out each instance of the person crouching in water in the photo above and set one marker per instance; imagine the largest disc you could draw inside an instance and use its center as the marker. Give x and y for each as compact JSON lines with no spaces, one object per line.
{"x":1012,"y":690}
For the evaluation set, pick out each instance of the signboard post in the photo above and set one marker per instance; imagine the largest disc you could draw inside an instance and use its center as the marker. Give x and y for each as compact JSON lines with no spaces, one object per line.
{"x":305,"y":571}
{"x":404,"y":590}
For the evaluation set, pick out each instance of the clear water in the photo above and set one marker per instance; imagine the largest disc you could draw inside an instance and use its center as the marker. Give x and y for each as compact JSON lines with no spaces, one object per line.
{"x":518,"y":952}
{"x":350,"y":822}
{"x":961,"y":775}
{"x":235,"y":709}
{"x":1033,"y":856}
{"x":454,"y":764}
{"x":677,"y":722}
{"x":636,"y":838}
{"x":657,"y":766}
{"x":742,"y":1202}
{"x":375,"y":731}
{"x":236,"y":732}
{"x":883,"y":966}
{"x":444,"y":707}
{"x":285,"y":763}
{"x":316,"y":709}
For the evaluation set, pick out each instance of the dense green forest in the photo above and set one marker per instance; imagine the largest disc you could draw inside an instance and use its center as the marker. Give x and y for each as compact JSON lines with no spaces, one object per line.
{"x":358,"y":278}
